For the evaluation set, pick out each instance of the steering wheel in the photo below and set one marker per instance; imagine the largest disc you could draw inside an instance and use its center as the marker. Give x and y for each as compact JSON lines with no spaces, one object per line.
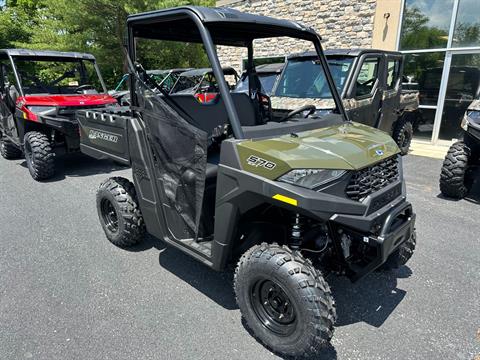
{"x":83,"y":87}
{"x":310,"y":108}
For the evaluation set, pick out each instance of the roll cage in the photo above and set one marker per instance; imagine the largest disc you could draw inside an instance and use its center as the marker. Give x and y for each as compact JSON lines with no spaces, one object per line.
{"x":221,"y":26}
{"x":11,"y":55}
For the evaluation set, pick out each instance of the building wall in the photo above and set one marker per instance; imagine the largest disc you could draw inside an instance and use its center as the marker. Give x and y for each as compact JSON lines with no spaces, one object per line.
{"x":386,"y":24}
{"x":341,"y":23}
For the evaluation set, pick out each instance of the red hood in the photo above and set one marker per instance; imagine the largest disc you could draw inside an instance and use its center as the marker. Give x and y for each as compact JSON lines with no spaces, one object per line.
{"x":67,"y":100}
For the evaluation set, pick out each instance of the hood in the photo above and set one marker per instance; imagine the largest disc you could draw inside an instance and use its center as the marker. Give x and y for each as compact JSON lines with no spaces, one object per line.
{"x":67,"y":100}
{"x":350,"y":146}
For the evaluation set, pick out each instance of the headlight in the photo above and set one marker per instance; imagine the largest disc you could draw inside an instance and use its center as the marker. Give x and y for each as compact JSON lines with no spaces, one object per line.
{"x":311,"y":178}
{"x":471,"y":117}
{"x":42,"y":110}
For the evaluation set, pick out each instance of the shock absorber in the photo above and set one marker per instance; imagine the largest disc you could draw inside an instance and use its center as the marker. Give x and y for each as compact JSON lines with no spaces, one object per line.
{"x":296,"y":235}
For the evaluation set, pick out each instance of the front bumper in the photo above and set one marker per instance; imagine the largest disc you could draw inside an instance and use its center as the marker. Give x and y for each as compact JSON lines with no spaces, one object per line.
{"x":393,"y":226}
{"x":66,"y":126}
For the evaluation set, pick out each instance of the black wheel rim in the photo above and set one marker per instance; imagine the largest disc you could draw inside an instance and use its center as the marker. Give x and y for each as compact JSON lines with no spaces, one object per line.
{"x":28,"y":155}
{"x":109,"y":215}
{"x":273,"y":307}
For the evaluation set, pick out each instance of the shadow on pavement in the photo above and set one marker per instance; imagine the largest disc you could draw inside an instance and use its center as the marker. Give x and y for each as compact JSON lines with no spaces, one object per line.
{"x":216,"y":285}
{"x":79,"y":165}
{"x":371,"y":300}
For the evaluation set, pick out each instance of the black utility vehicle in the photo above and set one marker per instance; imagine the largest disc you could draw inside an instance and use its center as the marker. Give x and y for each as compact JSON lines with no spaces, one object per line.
{"x":39,"y":94}
{"x":288,"y":199}
{"x":266,"y":73}
{"x":463,"y":158}
{"x":369,"y":82}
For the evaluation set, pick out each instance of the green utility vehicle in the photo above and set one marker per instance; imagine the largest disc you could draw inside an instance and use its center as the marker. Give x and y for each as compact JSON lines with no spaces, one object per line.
{"x":287,"y":199}
{"x":369,"y":83}
{"x":463,"y":158}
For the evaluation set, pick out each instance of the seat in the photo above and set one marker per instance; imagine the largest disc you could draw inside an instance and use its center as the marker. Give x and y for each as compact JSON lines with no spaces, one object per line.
{"x":208,"y":116}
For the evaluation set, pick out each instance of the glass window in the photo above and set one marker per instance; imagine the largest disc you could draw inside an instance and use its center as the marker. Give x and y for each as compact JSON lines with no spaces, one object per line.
{"x":393,"y":72}
{"x":340,"y":68}
{"x":467,"y":26}
{"x":303,"y":78}
{"x":367,"y":77}
{"x":57,"y":76}
{"x":423,"y":128}
{"x":426,"y":23}
{"x":423,"y":72}
{"x":463,"y":86}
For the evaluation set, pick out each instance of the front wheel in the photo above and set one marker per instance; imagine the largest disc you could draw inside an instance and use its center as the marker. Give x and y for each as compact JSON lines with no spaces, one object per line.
{"x":39,"y":155}
{"x":119,"y":212}
{"x":454,"y":182}
{"x":284,"y":300}
{"x":403,"y":134}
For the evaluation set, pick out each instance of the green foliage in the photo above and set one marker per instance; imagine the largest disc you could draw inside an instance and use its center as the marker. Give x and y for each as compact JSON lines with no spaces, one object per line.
{"x":416,"y":34}
{"x":93,"y":26}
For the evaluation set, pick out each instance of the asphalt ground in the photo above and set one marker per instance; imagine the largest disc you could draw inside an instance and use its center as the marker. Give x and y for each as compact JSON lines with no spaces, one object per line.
{"x":67,"y":293}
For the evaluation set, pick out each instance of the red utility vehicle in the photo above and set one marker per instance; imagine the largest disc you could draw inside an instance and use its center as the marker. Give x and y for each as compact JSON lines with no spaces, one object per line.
{"x":40,"y":91}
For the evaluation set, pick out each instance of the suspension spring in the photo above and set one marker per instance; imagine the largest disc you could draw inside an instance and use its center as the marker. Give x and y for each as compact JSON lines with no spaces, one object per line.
{"x":296,"y":235}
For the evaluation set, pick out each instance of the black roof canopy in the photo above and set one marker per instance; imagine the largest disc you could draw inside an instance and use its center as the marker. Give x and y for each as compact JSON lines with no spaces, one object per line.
{"x":227,"y":26}
{"x":44,"y":54}
{"x":227,"y":70}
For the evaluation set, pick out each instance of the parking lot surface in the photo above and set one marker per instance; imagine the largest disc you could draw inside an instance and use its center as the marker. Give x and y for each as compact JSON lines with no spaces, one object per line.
{"x":67,"y":293}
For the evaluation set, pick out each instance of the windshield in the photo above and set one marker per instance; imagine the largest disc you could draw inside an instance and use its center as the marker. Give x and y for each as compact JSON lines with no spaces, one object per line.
{"x":59,"y":76}
{"x":305,"y":78}
{"x":266,"y":80}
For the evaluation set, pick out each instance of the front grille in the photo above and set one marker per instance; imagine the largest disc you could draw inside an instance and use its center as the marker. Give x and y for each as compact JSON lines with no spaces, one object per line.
{"x":373,"y":178}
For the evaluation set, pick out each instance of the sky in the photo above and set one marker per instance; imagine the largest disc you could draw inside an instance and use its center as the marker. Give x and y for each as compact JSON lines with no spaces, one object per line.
{"x":440,"y":11}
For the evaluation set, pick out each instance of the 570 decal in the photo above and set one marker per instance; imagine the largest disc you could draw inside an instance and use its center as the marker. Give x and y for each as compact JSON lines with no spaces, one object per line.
{"x":259,"y":162}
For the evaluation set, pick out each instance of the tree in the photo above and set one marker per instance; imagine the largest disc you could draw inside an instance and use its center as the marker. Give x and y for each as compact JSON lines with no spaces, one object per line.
{"x":93,"y":26}
{"x":416,"y":34}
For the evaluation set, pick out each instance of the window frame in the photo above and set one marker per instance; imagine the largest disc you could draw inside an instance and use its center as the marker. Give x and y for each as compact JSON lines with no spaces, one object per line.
{"x":353,"y":85}
{"x":396,"y":80}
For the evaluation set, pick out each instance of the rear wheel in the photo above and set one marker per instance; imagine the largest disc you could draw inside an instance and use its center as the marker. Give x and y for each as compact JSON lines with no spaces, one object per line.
{"x":285,"y":301}
{"x":9,"y":150}
{"x":119,"y":213}
{"x":403,"y":134}
{"x":454,"y":181}
{"x":39,"y":155}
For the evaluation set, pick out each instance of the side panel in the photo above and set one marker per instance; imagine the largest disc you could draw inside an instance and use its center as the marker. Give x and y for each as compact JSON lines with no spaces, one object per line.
{"x":104,"y":135}
{"x":150,"y":192}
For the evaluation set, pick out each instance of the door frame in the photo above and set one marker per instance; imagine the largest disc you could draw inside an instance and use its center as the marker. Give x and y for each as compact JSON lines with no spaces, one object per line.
{"x":443,"y":88}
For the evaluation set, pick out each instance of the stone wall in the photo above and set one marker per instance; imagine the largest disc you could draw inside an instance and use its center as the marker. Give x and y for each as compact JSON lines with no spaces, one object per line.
{"x":341,"y":23}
